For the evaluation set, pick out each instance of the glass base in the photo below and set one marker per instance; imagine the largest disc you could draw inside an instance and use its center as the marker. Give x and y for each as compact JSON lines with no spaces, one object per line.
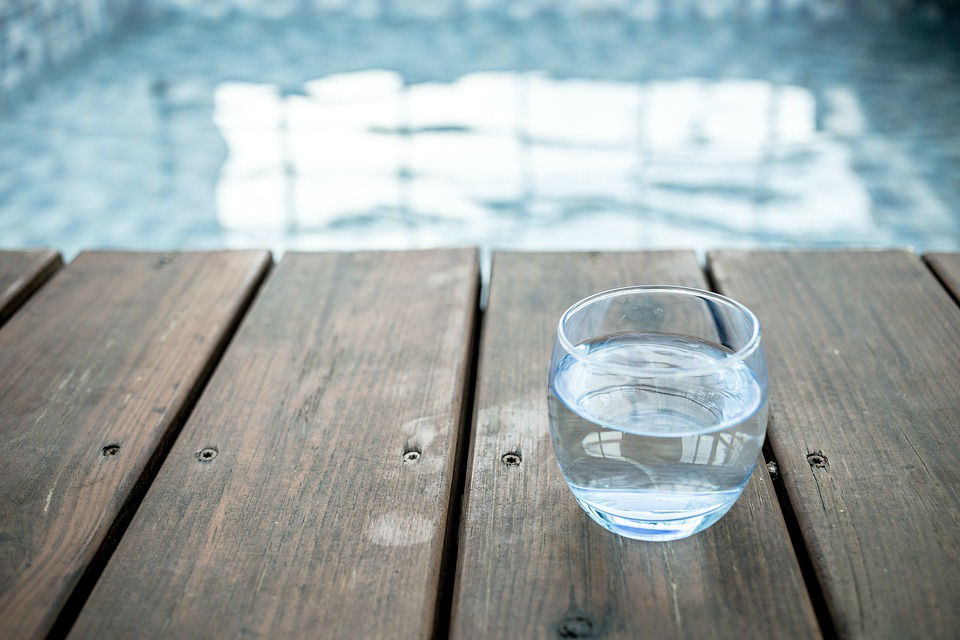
{"x":654,"y":530}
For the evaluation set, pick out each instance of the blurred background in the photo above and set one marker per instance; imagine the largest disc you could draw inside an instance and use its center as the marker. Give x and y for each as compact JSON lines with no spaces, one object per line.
{"x":533,"y":124}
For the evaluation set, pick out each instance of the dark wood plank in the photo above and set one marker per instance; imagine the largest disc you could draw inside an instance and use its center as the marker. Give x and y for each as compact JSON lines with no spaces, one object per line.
{"x":310,"y":521}
{"x":947,"y":268}
{"x":532,"y":564}
{"x":864,"y":351}
{"x":97,"y":368}
{"x":22,"y":273}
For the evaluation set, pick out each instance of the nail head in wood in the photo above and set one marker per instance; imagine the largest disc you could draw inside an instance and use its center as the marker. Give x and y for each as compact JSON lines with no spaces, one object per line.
{"x":207,"y":454}
{"x":110,"y":450}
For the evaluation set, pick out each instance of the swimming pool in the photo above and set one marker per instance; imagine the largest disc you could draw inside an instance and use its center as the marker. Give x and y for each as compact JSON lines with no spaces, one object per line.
{"x":550,"y":131}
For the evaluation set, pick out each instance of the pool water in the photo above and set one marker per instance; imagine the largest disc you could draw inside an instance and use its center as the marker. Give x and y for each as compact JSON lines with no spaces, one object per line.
{"x":550,"y":132}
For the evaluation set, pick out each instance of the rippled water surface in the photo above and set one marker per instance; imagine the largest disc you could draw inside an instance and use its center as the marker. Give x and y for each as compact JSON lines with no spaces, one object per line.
{"x":543,"y":133}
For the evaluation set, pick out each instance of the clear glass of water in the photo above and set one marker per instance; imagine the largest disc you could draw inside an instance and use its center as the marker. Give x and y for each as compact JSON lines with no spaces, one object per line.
{"x":658,"y":407}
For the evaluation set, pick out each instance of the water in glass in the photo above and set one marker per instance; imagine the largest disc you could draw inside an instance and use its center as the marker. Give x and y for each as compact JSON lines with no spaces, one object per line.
{"x":658,"y":457}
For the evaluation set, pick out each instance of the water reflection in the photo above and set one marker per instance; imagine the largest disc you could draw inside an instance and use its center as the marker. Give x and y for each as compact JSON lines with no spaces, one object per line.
{"x":634,"y":134}
{"x":525,"y":159}
{"x":715,"y":449}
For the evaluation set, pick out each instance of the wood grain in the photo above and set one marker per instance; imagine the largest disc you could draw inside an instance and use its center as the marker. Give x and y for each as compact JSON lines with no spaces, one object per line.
{"x":22,"y":273}
{"x":532,"y":564}
{"x":96,"y":370}
{"x":315,"y":518}
{"x":947,"y":268}
{"x":864,"y":352}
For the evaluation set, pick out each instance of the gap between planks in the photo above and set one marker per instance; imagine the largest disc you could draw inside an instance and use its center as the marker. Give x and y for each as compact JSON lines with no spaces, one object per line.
{"x":945,"y":267}
{"x":800,"y":551}
{"x":28,"y":271}
{"x":451,"y":545}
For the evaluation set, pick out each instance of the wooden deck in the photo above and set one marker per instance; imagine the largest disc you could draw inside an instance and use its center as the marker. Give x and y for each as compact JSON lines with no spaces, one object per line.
{"x":209,"y":445}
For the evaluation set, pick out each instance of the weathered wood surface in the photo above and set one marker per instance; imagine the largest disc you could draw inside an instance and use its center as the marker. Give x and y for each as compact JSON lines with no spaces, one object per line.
{"x":947,"y":268}
{"x":22,"y":273}
{"x":96,"y":369}
{"x":315,"y":518}
{"x":532,"y":564}
{"x":864,"y":352}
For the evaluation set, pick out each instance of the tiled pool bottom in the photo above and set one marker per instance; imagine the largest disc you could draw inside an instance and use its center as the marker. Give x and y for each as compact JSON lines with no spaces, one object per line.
{"x":547,"y":133}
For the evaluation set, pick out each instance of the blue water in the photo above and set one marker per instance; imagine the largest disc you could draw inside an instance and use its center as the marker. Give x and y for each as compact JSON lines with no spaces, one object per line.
{"x":657,"y":458}
{"x":548,"y":132}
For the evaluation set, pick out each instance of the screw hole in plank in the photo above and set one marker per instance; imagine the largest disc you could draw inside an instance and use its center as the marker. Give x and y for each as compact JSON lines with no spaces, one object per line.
{"x":575,"y":627}
{"x":511,"y":458}
{"x":817,"y":460}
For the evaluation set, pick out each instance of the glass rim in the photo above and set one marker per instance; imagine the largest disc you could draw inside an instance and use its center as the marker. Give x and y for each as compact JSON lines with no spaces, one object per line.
{"x":658,"y":372}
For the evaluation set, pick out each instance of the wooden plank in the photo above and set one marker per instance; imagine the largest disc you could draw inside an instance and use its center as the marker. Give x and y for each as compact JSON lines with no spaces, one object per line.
{"x":531,"y":563}
{"x":22,"y":273}
{"x":864,"y":351}
{"x":97,"y":369}
{"x":315,"y":518}
{"x":947,"y":268}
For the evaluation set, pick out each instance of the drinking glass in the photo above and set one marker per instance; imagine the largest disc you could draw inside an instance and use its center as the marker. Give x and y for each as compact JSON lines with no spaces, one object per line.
{"x":658,"y":407}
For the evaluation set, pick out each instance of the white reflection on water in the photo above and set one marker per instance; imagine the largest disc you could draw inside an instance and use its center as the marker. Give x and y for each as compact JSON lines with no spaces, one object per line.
{"x":527,"y":160}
